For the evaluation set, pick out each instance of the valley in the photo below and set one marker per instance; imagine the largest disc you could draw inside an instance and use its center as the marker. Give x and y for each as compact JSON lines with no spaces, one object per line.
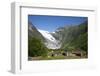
{"x":68,"y":42}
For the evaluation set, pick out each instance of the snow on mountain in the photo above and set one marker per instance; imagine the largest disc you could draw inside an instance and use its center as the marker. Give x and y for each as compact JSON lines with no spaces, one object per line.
{"x":51,"y":42}
{"x":47,"y":35}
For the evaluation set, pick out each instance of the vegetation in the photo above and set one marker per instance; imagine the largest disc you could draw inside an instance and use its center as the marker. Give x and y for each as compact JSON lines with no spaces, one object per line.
{"x":73,"y":38}
{"x":36,"y":48}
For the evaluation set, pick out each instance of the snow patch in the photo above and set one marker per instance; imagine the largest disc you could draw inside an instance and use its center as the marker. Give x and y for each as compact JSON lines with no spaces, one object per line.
{"x":51,"y":42}
{"x":47,"y":35}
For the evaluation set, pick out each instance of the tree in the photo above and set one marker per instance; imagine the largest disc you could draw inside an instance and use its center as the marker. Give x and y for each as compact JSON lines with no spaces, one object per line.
{"x":36,"y":48}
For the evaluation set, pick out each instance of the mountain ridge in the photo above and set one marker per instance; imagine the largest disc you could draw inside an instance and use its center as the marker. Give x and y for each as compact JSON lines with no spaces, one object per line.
{"x":63,"y":37}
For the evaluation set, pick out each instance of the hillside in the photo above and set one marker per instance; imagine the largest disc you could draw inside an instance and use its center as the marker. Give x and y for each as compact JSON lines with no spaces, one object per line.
{"x":74,"y":36}
{"x":69,"y":41}
{"x":33,"y":32}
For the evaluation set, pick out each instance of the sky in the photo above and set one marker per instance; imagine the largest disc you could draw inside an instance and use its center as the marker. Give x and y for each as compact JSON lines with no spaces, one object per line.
{"x":51,"y":23}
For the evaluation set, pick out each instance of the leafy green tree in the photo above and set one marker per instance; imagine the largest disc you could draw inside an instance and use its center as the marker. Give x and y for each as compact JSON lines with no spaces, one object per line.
{"x":36,"y":48}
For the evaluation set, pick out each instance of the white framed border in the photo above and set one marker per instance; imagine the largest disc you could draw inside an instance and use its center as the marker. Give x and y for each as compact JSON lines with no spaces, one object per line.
{"x":19,"y":63}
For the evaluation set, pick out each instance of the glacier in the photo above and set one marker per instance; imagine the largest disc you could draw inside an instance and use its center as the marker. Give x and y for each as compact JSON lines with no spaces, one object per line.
{"x":51,"y":42}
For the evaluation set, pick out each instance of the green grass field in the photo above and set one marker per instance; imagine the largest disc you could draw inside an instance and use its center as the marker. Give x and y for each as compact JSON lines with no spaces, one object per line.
{"x":55,"y":58}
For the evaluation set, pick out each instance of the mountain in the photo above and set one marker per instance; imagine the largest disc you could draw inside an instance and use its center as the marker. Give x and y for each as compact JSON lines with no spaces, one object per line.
{"x":33,"y":32}
{"x":67,"y":37}
{"x":36,"y":41}
{"x":74,"y":36}
{"x":47,"y":35}
{"x":47,"y":39}
{"x":51,"y":42}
